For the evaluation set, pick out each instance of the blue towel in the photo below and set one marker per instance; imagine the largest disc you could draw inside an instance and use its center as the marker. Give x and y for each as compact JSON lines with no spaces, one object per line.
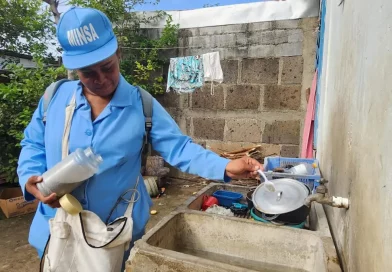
{"x":185,"y":74}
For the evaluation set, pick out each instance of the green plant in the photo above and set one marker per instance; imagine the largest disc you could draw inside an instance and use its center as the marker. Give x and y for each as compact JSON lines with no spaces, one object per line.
{"x":18,"y":100}
{"x":25,"y":27}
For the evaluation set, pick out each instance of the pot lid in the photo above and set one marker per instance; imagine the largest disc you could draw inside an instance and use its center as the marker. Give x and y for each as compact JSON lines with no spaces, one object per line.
{"x":289,"y":195}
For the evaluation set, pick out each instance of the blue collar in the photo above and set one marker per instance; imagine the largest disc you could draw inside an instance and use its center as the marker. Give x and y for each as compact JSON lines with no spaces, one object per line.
{"x":123,"y":96}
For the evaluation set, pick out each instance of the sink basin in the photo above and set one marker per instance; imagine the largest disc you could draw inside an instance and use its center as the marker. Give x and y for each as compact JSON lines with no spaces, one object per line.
{"x":191,"y":241}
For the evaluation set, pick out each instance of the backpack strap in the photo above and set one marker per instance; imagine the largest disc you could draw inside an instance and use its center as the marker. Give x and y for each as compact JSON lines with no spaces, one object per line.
{"x":147,"y":108}
{"x":147,"y":103}
{"x":49,"y":93}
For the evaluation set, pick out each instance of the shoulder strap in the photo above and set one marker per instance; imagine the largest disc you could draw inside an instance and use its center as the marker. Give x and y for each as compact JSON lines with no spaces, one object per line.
{"x":49,"y":93}
{"x":147,"y":108}
{"x":147,"y":101}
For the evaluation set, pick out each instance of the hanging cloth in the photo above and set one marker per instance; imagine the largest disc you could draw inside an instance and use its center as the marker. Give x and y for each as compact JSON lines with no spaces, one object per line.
{"x":185,"y":74}
{"x":212,"y":69}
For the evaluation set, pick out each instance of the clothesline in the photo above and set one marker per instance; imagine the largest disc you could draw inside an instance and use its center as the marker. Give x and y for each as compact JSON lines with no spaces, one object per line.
{"x":237,"y":46}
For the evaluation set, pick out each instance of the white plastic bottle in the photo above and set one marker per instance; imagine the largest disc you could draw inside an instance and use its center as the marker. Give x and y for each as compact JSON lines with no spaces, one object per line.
{"x":68,"y":174}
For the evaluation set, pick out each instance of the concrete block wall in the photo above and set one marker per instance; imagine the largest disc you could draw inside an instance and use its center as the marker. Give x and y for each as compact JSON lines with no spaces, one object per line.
{"x":267,"y":68}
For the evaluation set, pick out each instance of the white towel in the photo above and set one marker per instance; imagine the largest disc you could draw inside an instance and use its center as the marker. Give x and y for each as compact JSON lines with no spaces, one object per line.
{"x":212,"y":69}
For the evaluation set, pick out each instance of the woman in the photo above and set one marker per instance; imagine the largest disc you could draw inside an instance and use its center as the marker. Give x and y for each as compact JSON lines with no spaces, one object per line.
{"x":109,"y":118}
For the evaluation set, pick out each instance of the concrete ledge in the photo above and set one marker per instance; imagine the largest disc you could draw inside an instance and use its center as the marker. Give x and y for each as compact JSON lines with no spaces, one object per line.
{"x":166,"y":256}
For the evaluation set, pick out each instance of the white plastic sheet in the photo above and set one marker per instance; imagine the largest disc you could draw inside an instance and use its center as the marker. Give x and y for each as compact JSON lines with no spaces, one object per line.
{"x":241,"y":14}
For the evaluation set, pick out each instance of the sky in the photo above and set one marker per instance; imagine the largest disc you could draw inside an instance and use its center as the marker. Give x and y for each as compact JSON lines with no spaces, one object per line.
{"x":189,"y":4}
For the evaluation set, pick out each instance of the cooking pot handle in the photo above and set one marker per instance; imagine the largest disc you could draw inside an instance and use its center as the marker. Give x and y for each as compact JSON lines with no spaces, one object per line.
{"x":264,"y":216}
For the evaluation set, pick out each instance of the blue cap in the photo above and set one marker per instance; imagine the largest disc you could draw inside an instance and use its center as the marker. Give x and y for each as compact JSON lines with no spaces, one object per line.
{"x":86,"y":36}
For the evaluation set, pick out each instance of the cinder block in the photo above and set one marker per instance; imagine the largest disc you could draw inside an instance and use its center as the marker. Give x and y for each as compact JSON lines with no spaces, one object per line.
{"x":270,"y":150}
{"x":279,"y":97}
{"x":169,"y":100}
{"x":291,"y":151}
{"x":224,"y":40}
{"x":202,"y":98}
{"x":241,"y":39}
{"x":282,"y":132}
{"x":188,"y":32}
{"x":292,"y":70}
{"x":174,"y":112}
{"x":230,"y":71}
{"x":197,"y":51}
{"x":182,"y":42}
{"x":211,"y":30}
{"x":261,"y":51}
{"x":234,"y":28}
{"x":227,"y":29}
{"x":233,"y":53}
{"x":184,"y":101}
{"x":260,"y":26}
{"x":268,"y":37}
{"x":208,"y":128}
{"x":288,"y":49}
{"x":262,"y":71}
{"x":243,"y":97}
{"x":243,"y":130}
{"x":295,"y":35}
{"x":225,"y":146}
{"x":188,"y":126}
{"x":285,"y":24}
{"x":203,"y":42}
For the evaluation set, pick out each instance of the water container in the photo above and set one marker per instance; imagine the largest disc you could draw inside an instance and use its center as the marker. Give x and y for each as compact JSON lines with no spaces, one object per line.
{"x":227,"y":198}
{"x":68,"y":174}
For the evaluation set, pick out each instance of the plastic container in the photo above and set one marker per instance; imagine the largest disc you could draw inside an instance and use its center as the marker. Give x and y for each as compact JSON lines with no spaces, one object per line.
{"x":303,"y":169}
{"x":209,"y":201}
{"x":227,"y":198}
{"x":311,"y":180}
{"x":68,"y":174}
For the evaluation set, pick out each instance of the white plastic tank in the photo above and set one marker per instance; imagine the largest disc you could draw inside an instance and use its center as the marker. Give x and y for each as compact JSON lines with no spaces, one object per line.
{"x":68,"y":174}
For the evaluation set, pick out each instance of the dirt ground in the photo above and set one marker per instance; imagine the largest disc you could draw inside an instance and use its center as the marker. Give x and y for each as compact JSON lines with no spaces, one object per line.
{"x":16,"y":255}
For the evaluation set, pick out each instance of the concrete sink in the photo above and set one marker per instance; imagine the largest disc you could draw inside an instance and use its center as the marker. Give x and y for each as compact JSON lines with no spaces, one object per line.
{"x":190,"y":240}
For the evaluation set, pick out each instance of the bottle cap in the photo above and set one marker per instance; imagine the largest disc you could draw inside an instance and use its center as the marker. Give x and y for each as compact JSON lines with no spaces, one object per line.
{"x":70,"y":204}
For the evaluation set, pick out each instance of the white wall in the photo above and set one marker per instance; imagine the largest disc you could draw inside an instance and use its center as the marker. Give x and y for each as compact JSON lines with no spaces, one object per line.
{"x":355,"y":130}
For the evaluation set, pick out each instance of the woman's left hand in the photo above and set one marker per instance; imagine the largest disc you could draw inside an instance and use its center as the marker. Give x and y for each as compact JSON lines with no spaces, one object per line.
{"x":246,"y":167}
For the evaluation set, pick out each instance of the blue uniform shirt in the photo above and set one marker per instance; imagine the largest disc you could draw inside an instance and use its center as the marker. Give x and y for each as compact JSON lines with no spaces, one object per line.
{"x":117,"y":135}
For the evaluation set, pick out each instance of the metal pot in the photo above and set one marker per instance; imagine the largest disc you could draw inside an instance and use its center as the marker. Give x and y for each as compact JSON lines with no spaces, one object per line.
{"x":295,"y":217}
{"x":286,"y":205}
{"x":249,"y":199}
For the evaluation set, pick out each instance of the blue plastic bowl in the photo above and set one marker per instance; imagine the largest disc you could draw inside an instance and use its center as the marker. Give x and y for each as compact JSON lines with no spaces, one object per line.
{"x":227,"y":198}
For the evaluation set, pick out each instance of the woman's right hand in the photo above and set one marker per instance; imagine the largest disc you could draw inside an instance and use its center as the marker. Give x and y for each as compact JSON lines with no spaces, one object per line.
{"x":31,"y":187}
